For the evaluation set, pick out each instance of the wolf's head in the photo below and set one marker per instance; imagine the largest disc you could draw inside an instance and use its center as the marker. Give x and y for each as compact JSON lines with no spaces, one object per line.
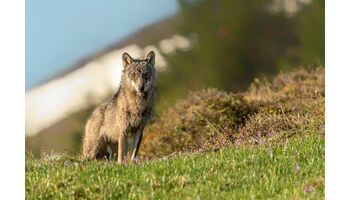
{"x":139,"y":73}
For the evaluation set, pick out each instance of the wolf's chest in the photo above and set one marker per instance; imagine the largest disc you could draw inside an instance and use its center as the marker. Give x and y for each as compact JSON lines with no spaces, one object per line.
{"x":135,"y":117}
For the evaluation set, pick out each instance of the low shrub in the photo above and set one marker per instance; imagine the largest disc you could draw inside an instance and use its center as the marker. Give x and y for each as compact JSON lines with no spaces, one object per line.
{"x":211,"y":118}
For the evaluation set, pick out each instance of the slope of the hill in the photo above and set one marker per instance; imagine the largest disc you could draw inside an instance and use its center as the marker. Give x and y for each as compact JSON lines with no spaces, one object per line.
{"x":292,"y":169}
{"x":265,"y":143}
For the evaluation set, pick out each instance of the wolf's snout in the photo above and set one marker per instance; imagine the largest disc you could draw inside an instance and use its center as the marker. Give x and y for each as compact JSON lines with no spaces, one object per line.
{"x":141,"y":88}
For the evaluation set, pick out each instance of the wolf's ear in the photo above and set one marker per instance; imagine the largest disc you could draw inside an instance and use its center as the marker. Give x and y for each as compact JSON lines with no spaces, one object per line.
{"x":127,"y":59}
{"x":151,"y":57}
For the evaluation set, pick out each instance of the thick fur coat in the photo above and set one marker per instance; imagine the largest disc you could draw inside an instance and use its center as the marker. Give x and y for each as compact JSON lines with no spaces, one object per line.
{"x":125,"y":114}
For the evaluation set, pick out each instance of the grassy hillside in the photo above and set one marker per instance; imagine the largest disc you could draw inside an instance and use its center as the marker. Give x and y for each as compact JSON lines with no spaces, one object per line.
{"x":264,"y":143}
{"x":293,"y":169}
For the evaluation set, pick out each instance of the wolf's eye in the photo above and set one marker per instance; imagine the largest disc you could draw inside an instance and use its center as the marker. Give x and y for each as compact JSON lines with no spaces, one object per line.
{"x":132,"y":74}
{"x":146,"y":74}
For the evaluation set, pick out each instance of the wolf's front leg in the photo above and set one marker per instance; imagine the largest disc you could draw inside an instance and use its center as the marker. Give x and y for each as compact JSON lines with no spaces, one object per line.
{"x":122,"y":146}
{"x":136,"y":143}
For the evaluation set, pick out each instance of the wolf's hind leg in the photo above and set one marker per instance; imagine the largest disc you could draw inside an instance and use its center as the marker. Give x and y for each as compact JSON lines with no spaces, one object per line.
{"x":90,"y":148}
{"x":112,"y":149}
{"x":91,"y":140}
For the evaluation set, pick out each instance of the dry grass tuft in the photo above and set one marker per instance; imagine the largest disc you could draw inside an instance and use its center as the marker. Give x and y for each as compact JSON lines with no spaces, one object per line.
{"x":210,"y":118}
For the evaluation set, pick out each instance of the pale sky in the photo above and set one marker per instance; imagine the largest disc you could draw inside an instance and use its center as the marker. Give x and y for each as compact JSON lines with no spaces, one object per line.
{"x":59,"y":33}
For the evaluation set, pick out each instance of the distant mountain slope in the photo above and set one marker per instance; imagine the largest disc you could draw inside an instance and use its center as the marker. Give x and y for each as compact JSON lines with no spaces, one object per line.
{"x":94,"y":78}
{"x":150,"y":34}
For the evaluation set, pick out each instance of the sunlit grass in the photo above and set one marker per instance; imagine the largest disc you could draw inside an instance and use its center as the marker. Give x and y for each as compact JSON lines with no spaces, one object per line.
{"x":293,"y":169}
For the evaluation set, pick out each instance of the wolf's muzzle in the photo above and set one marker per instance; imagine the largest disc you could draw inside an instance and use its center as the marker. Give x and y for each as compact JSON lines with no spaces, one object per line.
{"x":141,"y":88}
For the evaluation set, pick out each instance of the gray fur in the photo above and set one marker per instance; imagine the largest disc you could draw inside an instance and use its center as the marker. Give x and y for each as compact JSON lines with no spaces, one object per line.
{"x":125,"y":114}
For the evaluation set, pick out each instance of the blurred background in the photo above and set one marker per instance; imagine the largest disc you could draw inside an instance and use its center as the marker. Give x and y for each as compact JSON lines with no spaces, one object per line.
{"x":74,"y":48}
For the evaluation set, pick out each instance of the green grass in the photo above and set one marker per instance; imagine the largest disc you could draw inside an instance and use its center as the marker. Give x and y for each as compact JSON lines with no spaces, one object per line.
{"x":293,"y":169}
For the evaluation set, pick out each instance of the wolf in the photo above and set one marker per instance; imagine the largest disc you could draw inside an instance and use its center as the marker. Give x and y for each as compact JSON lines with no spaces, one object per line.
{"x":125,"y":115}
